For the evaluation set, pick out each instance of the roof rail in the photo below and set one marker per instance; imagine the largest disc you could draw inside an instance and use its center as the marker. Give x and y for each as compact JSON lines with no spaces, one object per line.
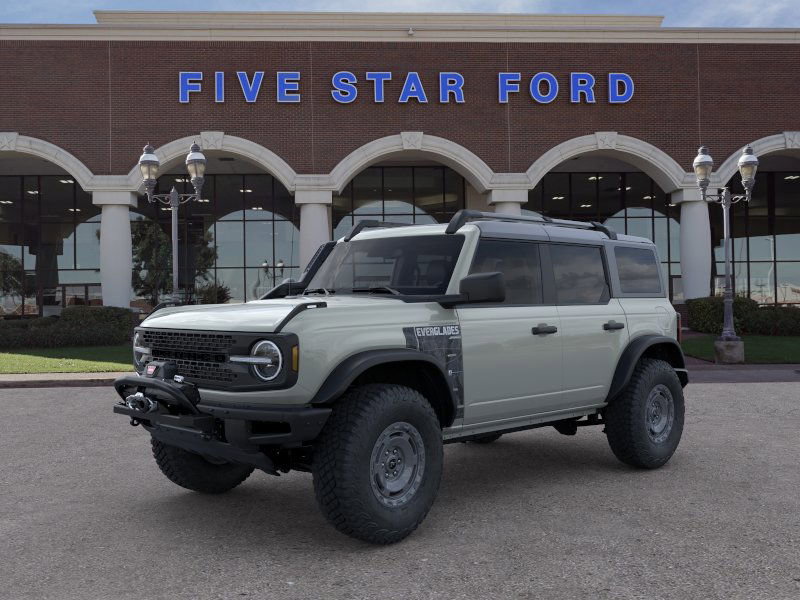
{"x":368,"y":224}
{"x":462,"y":216}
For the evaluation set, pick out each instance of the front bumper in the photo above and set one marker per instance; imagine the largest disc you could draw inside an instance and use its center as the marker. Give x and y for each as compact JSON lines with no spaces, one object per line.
{"x":235,"y":434}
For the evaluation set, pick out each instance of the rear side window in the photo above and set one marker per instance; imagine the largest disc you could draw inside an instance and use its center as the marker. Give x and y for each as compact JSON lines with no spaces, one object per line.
{"x":638,"y":271}
{"x":519,"y":264}
{"x":579,"y":274}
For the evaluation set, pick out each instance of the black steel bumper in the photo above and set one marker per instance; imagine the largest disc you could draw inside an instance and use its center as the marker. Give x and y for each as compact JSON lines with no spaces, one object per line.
{"x":235,"y":434}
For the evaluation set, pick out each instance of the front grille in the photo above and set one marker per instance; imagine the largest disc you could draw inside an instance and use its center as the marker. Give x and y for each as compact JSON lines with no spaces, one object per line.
{"x":198,"y":356}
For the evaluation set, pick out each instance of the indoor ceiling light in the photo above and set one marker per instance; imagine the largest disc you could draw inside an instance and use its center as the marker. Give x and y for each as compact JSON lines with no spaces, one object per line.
{"x":33,"y":192}
{"x":245,"y":191}
{"x":586,"y":206}
{"x":66,"y":181}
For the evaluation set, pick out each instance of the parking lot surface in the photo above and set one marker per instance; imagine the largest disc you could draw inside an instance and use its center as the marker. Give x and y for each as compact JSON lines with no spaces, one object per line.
{"x":85,"y":513}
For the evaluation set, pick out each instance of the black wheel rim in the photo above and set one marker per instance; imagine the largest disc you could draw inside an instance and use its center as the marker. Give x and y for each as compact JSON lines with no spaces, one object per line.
{"x":659,"y":413}
{"x":398,"y":464}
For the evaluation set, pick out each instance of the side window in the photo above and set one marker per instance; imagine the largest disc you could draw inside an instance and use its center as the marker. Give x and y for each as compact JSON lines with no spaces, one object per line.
{"x":519,"y":264}
{"x":579,"y":274}
{"x":638,"y":271}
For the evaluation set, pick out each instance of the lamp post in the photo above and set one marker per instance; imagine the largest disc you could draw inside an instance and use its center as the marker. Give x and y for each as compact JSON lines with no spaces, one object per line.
{"x":703,"y":165}
{"x":196,"y":165}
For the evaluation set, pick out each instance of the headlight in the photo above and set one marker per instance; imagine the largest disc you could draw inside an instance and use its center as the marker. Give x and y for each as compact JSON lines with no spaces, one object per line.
{"x":139,"y":350}
{"x":266,"y":360}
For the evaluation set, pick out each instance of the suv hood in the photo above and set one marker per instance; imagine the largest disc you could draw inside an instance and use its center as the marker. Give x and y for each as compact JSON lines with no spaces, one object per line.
{"x":261,"y":316}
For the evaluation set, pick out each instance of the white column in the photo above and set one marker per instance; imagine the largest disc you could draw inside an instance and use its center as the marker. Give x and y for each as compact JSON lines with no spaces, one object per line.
{"x":508,"y":201}
{"x":695,"y":243}
{"x":315,"y":225}
{"x":115,"y":246}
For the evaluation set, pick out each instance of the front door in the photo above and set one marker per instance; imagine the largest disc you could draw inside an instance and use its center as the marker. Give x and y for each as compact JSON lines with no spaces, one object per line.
{"x":512,"y":351}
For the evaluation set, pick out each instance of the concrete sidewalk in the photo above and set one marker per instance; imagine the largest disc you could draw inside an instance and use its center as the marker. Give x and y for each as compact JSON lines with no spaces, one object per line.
{"x":700,"y":371}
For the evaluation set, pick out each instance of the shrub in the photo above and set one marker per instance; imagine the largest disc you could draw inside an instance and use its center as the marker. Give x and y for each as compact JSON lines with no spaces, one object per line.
{"x":213,"y":293}
{"x":706,"y":315}
{"x":77,"y":326}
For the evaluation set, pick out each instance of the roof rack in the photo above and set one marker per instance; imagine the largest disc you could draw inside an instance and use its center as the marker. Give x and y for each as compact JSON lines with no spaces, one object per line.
{"x":368,"y":224}
{"x":463,"y":216}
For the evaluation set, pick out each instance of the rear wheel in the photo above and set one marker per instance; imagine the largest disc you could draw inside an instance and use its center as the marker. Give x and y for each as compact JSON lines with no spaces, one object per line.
{"x":644,"y":424}
{"x":378,"y":462}
{"x":196,"y":473}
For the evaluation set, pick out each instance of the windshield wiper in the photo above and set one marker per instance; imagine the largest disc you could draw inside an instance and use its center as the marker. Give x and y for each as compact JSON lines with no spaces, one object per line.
{"x":377,"y":289}
{"x":321,"y":290}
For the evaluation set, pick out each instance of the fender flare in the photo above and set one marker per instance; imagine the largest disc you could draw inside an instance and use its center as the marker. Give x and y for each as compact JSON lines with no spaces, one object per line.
{"x":634,"y":351}
{"x":347,"y":371}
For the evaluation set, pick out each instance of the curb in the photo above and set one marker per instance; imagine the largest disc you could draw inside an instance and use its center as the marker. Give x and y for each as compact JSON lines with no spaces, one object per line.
{"x":100,"y":380}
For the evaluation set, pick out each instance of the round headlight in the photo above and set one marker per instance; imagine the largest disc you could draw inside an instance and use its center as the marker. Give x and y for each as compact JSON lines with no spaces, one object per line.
{"x":139,"y":351}
{"x":269,"y":359}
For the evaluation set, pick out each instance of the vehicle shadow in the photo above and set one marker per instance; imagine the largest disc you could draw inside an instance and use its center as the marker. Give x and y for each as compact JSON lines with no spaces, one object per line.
{"x":530,"y":467}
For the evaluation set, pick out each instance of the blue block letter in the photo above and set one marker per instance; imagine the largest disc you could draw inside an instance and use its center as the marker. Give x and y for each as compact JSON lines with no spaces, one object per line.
{"x":412,"y":88}
{"x":188,"y":81}
{"x":288,"y":86}
{"x":378,"y":77}
{"x":344,"y":90}
{"x":536,"y":88}
{"x":250,"y":90}
{"x":615,"y":96}
{"x":219,"y":86}
{"x":507,"y":83}
{"x":581,"y":83}
{"x":451,"y":83}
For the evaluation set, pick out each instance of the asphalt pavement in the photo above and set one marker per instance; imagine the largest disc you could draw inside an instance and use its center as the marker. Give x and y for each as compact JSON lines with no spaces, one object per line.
{"x":85,"y":513}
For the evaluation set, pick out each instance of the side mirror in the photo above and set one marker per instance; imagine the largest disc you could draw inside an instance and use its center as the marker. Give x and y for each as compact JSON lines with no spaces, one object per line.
{"x":483,"y":287}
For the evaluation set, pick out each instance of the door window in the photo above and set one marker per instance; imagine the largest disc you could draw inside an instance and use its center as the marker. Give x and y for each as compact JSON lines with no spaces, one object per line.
{"x":579,"y":274}
{"x":519,"y":264}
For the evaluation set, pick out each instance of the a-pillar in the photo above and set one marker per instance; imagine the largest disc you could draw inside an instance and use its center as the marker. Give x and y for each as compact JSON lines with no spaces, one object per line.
{"x":115,"y":245}
{"x":508,"y":201}
{"x":315,"y":225}
{"x":695,"y":243}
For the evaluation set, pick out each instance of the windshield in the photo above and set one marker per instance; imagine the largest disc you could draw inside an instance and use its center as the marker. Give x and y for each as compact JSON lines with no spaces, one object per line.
{"x":408,"y":265}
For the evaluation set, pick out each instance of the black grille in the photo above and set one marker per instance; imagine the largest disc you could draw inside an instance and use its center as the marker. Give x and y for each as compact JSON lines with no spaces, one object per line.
{"x":198,"y":356}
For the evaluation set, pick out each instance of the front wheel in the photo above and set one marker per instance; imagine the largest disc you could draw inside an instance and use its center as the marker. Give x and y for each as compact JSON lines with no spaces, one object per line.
{"x":644,"y":424}
{"x":378,"y":462}
{"x":196,"y":473}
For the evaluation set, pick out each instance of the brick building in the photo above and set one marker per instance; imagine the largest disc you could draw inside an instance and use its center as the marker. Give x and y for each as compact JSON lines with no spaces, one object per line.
{"x":312,"y":121}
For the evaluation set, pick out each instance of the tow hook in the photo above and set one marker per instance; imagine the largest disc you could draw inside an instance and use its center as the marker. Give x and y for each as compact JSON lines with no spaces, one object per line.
{"x":134,"y":422}
{"x":140,"y":403}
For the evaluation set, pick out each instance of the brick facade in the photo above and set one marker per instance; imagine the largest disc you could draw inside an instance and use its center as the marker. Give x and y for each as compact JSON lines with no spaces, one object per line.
{"x":101,"y":100}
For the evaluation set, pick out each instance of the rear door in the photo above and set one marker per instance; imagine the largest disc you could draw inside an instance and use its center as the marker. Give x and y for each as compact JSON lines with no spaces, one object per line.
{"x":593,"y":324}
{"x":509,"y":371}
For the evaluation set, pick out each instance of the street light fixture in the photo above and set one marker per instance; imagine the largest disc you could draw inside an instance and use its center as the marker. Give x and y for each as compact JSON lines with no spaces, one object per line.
{"x":196,"y":165}
{"x":703,"y":165}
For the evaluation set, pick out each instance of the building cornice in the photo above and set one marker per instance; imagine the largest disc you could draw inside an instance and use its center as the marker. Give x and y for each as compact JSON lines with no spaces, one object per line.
{"x":388,"y":27}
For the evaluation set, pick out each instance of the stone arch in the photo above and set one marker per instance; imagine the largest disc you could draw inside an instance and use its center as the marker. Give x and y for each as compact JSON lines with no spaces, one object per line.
{"x":781,"y":142}
{"x":11,"y":141}
{"x":218,"y":140}
{"x":444,"y":151}
{"x":656,"y":163}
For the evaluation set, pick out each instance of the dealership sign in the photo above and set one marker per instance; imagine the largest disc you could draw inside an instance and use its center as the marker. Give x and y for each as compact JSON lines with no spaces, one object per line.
{"x":346,"y":87}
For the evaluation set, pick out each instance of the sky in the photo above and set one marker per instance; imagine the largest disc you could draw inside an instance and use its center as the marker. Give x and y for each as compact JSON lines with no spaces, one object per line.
{"x":678,"y":13}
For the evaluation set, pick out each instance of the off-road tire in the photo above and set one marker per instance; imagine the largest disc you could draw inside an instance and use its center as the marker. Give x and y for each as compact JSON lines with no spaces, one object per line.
{"x":487,"y":439}
{"x":627,"y":426}
{"x":344,"y":456}
{"x":195,"y":473}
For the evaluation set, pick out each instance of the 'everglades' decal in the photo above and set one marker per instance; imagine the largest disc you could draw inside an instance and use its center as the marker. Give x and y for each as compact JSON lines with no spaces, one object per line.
{"x":444,"y":343}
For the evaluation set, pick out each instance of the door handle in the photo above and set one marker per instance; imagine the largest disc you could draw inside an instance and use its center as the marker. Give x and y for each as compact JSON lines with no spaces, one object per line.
{"x":544,"y":329}
{"x":613,"y":325}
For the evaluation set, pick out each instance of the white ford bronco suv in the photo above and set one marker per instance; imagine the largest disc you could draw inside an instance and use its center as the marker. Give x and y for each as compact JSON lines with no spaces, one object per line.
{"x":399,"y":339}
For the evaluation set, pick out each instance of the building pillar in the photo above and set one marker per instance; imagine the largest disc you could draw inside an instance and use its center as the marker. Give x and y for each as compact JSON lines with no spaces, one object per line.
{"x":508,"y":201}
{"x":695,"y":243}
{"x":315,"y":225}
{"x":116,"y":254}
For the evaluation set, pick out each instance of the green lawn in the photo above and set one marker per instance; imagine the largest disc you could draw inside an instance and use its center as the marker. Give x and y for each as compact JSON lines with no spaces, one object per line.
{"x":763,"y":349}
{"x":88,"y":359}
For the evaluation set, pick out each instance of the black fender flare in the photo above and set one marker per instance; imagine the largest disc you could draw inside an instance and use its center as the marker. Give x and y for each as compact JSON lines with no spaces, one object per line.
{"x":634,"y":351}
{"x":347,"y":371}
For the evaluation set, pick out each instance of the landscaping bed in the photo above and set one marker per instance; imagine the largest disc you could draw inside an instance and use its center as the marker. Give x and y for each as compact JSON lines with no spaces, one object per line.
{"x":86,"y":359}
{"x":758,"y":349}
